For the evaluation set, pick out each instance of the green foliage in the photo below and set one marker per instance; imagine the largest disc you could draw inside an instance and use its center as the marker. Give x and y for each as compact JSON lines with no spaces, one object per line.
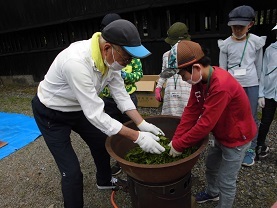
{"x":17,"y":99}
{"x":137,"y":155}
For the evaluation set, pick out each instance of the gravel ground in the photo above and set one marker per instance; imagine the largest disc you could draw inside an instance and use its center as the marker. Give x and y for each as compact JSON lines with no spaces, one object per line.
{"x":29,"y":178}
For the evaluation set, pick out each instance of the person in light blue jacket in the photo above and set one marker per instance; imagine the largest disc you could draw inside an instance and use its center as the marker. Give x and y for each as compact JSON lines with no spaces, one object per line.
{"x":267,"y":96}
{"x":241,"y":55}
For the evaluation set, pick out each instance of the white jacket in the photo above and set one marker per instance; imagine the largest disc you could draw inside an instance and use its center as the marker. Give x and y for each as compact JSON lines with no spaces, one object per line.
{"x":73,"y":83}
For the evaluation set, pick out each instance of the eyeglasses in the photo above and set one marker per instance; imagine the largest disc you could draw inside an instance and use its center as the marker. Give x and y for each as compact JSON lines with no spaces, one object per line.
{"x":126,"y":61}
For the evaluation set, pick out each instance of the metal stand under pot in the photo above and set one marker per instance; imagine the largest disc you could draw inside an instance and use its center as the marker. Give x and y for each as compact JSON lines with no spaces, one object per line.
{"x":163,"y":185}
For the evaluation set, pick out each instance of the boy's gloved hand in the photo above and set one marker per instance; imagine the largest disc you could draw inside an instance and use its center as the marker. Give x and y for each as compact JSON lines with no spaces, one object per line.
{"x":123,"y":74}
{"x":158,"y":94}
{"x":148,"y":143}
{"x":173,"y":152}
{"x":261,"y":102}
{"x":148,"y":127}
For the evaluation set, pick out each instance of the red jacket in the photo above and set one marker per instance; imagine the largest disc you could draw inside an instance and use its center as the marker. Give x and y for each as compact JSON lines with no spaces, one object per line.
{"x":224,"y":110}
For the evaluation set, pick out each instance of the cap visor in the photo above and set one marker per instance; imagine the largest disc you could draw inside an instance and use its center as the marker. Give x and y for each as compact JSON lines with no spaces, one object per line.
{"x":169,"y":72}
{"x":170,"y":41}
{"x":275,"y":28}
{"x":137,"y":51}
{"x":243,"y":23}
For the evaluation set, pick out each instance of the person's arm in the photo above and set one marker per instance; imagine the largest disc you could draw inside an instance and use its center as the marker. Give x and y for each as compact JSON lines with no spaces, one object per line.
{"x":261,"y":100}
{"x":259,"y":62}
{"x":120,"y":94}
{"x":223,"y":59}
{"x":146,"y":140}
{"x":263,"y":72}
{"x":133,"y":71}
{"x":92,"y":105}
{"x":142,"y":124}
{"x":223,"y":55}
{"x":214,"y":105}
{"x":79,"y":79}
{"x":135,"y":116}
{"x":259,"y":43}
{"x":189,"y":117}
{"x":161,"y":81}
{"x":147,"y":137}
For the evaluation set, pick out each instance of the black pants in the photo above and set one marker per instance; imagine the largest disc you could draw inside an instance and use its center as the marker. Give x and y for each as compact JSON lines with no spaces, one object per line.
{"x":111,"y":108}
{"x":56,"y":127}
{"x":267,"y":117}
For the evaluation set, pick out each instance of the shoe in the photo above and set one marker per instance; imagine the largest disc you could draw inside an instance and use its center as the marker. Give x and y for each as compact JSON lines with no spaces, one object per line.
{"x":116,"y":169}
{"x":249,"y":158}
{"x":109,"y":185}
{"x":262,"y":151}
{"x":203,"y":197}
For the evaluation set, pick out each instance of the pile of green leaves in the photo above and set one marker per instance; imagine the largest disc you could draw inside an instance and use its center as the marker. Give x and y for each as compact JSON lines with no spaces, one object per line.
{"x":137,"y":155}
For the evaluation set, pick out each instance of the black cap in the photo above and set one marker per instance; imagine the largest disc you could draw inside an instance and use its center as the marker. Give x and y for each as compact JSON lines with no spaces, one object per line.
{"x":125,"y":34}
{"x":241,"y":15}
{"x":108,"y":19}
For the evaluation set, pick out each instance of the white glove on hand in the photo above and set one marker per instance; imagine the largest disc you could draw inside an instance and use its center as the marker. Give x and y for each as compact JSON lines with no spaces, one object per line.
{"x":172,"y":151}
{"x":148,"y":127}
{"x":148,"y":143}
{"x":261,"y":102}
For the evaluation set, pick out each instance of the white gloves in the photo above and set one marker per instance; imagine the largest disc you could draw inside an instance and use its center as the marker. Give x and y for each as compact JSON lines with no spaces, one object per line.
{"x":148,"y":142}
{"x":261,"y":102}
{"x":172,"y":151}
{"x":148,"y":127}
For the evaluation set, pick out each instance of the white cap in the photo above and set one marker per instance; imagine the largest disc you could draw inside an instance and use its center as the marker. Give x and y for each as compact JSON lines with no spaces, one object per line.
{"x":275,"y":28}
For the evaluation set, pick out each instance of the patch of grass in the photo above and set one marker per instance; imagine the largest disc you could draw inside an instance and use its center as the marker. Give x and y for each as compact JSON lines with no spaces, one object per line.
{"x":17,"y":99}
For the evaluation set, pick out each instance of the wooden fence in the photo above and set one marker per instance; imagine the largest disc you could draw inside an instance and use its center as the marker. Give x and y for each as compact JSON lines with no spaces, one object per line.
{"x":30,"y":41}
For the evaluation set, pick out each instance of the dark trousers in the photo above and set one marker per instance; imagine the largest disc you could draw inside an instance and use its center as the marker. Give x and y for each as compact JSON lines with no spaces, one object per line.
{"x":56,"y":127}
{"x":267,"y":117}
{"x":111,"y":108}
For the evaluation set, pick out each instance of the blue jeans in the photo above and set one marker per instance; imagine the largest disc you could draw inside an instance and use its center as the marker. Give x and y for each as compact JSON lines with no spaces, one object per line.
{"x":222,"y":168}
{"x":56,"y":127}
{"x":267,"y":117}
{"x":253,"y":94}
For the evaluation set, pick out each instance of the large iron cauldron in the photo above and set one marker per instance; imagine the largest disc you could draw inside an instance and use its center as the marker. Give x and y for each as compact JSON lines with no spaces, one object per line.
{"x":118,"y":147}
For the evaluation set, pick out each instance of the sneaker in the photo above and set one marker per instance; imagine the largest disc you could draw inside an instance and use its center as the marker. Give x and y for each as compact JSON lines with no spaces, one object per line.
{"x":262,"y":151}
{"x":116,"y":169}
{"x":249,"y":158}
{"x":203,"y":197}
{"x":109,"y":185}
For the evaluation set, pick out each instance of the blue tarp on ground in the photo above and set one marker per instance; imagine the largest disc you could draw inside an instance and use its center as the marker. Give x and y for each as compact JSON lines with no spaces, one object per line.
{"x":17,"y":130}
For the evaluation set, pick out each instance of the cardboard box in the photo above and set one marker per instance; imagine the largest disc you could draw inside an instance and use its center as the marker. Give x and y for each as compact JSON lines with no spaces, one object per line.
{"x":146,"y":91}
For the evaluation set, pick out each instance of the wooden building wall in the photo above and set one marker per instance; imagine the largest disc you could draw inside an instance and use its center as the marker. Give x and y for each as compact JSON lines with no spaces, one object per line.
{"x":34,"y":32}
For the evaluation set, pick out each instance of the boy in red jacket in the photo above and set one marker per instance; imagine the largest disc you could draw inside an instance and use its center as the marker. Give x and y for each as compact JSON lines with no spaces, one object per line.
{"x":217,"y":104}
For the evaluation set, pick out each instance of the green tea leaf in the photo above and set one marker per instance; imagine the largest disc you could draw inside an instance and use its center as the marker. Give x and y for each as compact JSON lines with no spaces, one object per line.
{"x":137,"y":155}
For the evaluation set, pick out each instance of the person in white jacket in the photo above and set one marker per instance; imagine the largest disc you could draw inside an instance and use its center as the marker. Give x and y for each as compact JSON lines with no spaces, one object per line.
{"x":68,"y":99}
{"x":241,"y":55}
{"x":267,"y":96}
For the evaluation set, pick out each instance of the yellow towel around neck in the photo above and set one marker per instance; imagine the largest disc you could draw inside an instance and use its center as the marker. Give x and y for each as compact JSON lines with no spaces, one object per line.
{"x":96,"y":53}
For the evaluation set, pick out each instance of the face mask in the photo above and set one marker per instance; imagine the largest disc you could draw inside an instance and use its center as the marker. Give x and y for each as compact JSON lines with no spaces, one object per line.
{"x":190,"y":81}
{"x":238,"y":38}
{"x":194,"y":82}
{"x":115,"y":65}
